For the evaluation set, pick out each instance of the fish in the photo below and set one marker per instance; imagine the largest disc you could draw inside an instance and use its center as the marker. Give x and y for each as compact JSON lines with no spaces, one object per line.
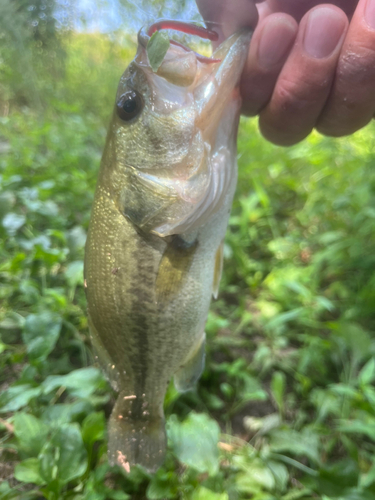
{"x":154,"y":250}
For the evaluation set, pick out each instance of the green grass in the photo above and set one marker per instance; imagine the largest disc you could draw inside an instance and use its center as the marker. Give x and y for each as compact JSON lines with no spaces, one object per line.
{"x":286,"y":406}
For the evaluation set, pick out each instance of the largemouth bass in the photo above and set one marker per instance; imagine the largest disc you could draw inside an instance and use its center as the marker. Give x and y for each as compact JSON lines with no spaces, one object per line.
{"x":155,"y":243}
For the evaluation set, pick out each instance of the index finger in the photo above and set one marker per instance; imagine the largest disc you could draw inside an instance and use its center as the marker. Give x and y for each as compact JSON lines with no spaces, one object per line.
{"x":227,"y":16}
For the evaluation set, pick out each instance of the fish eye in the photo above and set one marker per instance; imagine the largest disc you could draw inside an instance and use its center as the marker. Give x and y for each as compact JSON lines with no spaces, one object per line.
{"x":129,"y":105}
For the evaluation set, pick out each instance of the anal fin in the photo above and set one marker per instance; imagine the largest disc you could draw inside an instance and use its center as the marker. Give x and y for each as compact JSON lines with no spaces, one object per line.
{"x":188,"y":375}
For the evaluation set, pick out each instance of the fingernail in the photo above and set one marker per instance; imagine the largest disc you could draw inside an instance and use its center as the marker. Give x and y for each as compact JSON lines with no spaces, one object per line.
{"x":323,"y":32}
{"x":370,"y":13}
{"x":275,"y":42}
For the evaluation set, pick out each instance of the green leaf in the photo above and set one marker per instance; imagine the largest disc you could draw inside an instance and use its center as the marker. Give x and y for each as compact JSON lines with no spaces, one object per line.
{"x":297,"y":443}
{"x":280,"y":474}
{"x":367,"y":374}
{"x":298,"y":494}
{"x":40,"y":334}
{"x":163,"y":485}
{"x":30,"y":432}
{"x":283,"y":318}
{"x":80,"y":383}
{"x":202,"y":493}
{"x":93,"y":428}
{"x":366,"y":427}
{"x":157,"y":47}
{"x":195,"y":441}
{"x":58,"y":414}
{"x":278,"y":385}
{"x":64,"y":456}
{"x":357,"y":494}
{"x":356,"y":338}
{"x":12,"y":321}
{"x":74,"y":273}
{"x":257,"y":476}
{"x":28,"y":471}
{"x":12,"y":222}
{"x":17,"y":397}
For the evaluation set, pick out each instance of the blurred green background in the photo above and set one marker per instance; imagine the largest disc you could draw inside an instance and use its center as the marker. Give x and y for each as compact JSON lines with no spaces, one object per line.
{"x":286,"y":406}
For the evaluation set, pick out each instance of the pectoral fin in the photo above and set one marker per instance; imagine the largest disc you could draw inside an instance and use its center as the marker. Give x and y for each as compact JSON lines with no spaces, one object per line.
{"x":218,"y":270}
{"x":174,"y":267}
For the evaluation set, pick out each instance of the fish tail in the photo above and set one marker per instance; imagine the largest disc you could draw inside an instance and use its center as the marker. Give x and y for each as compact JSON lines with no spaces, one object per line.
{"x":136,"y":436}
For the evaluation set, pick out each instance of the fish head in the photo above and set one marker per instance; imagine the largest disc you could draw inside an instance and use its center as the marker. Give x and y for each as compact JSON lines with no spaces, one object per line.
{"x":173,"y":134}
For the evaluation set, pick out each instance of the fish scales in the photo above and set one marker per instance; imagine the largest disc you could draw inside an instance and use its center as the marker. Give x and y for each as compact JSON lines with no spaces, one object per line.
{"x":132,"y":304}
{"x":154,"y":247}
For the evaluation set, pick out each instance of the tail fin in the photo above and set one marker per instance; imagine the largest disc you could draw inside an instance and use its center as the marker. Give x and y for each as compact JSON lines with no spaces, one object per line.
{"x":136,"y":437}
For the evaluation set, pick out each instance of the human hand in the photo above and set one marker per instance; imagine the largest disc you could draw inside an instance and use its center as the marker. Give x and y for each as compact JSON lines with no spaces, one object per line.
{"x":318,"y":73}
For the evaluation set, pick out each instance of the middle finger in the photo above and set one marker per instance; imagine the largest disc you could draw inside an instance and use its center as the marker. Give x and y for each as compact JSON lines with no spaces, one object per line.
{"x":306,"y":78}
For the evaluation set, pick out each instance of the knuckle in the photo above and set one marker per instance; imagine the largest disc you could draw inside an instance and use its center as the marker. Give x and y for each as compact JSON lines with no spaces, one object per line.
{"x":298,"y":94}
{"x":357,"y":64}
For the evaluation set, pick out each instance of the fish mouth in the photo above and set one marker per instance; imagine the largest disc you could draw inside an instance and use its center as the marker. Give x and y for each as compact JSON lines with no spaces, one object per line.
{"x":216,"y":78}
